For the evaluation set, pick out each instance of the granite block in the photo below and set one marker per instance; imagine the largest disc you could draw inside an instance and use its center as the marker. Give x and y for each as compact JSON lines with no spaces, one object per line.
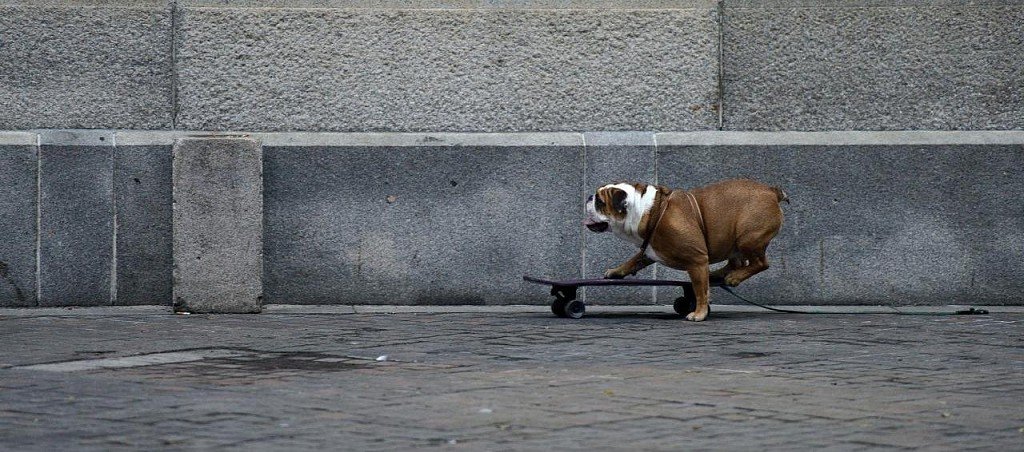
{"x":76,"y":244}
{"x":616,"y":157}
{"x":899,"y":224}
{"x":18,"y":209}
{"x":467,"y":69}
{"x":143,"y":198}
{"x":420,"y":225}
{"x":873,"y":65}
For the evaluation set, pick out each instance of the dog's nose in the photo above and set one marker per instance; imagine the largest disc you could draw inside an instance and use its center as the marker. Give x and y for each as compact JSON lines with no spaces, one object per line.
{"x":590,"y":198}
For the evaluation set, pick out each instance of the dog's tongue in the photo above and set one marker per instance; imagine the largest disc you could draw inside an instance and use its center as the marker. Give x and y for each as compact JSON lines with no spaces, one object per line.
{"x":589,"y":221}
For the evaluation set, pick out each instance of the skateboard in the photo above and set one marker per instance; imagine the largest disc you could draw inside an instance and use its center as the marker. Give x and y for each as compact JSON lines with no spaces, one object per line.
{"x":566,"y":304}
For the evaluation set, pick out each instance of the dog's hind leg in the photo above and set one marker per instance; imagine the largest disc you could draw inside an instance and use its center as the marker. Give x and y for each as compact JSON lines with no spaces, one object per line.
{"x":717,"y":276}
{"x":751,"y":250}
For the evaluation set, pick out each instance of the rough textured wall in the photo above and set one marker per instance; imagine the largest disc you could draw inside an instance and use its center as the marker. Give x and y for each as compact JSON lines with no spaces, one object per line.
{"x":873,"y":65}
{"x":85,"y":65}
{"x":536,"y":65}
{"x":447,"y":70}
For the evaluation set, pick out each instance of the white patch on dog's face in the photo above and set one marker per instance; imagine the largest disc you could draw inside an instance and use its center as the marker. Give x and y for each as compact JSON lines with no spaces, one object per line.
{"x":595,"y":220}
{"x":619,"y":207}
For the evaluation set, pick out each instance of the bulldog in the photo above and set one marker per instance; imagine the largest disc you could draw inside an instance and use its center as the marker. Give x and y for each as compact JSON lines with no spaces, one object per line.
{"x":732,"y":220}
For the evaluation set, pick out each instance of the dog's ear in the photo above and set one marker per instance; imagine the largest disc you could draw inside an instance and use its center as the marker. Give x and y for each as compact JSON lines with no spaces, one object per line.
{"x":619,"y":200}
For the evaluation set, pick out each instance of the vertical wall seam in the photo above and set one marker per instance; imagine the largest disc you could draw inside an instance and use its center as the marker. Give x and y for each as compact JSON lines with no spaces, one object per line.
{"x":113,"y":205}
{"x":654,"y":271}
{"x":39,"y":219}
{"x":174,"y":63}
{"x":721,"y":66}
{"x":174,"y":228}
{"x":583,"y":236}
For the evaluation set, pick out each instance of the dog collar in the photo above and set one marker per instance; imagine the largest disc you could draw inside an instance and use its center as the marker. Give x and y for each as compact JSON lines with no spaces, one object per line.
{"x":652,"y":223}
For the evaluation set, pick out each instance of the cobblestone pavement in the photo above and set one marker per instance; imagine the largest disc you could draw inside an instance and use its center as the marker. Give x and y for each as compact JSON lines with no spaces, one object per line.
{"x":510,"y":380}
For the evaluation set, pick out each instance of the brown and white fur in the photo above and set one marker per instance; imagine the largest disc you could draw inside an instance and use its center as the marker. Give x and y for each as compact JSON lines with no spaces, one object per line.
{"x":740,"y":217}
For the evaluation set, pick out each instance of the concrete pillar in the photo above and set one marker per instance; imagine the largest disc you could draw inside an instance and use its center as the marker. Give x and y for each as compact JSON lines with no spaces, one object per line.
{"x":218,"y":225}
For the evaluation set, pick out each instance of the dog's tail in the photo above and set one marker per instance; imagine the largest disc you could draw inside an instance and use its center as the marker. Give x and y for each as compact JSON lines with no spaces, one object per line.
{"x":781,"y":194}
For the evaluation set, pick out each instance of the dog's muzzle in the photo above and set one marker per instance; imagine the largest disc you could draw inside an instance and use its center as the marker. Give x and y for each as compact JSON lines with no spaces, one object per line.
{"x":596,"y":226}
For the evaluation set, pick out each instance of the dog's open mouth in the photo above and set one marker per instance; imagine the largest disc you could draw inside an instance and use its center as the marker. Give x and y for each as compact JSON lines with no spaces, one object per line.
{"x":598,"y":226}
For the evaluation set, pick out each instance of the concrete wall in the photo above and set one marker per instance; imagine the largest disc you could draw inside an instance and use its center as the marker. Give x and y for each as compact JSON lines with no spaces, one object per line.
{"x":437,"y":216}
{"x":876,"y":217}
{"x":499,"y":66}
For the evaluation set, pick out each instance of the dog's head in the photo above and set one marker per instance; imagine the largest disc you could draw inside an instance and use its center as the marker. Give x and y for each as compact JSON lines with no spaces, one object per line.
{"x":611,"y":205}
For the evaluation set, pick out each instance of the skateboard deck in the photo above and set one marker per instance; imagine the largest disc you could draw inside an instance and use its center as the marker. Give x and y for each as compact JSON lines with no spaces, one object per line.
{"x":605,"y":282}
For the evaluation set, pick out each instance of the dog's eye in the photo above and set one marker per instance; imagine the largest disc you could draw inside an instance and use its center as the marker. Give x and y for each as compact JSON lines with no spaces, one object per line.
{"x":598,"y":203}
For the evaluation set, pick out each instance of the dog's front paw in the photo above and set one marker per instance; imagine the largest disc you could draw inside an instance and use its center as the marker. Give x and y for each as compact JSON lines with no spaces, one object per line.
{"x":613,"y":273}
{"x":697,"y":316}
{"x":732,"y":280}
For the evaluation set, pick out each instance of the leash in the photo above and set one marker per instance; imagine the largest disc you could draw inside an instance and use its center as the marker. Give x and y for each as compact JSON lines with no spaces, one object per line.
{"x":971,"y":311}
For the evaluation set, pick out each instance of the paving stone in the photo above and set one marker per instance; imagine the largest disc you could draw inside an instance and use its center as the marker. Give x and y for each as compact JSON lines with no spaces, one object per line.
{"x":572,"y":386}
{"x":76,"y":244}
{"x":218,"y":225}
{"x":142,"y":187}
{"x":18,"y":211}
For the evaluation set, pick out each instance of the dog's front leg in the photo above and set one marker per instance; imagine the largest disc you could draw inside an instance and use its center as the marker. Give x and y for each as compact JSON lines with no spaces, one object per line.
{"x":702,"y":289}
{"x":628,"y":268}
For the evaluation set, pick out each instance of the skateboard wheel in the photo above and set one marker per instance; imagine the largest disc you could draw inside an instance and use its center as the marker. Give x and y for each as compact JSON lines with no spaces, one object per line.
{"x":684,"y":305}
{"x":558,"y":307}
{"x":574,"y":309}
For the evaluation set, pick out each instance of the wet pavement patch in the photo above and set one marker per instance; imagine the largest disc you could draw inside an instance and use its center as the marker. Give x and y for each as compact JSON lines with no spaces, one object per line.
{"x":298,"y":361}
{"x":250,"y":361}
{"x":751,"y":354}
{"x":149,"y":359}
